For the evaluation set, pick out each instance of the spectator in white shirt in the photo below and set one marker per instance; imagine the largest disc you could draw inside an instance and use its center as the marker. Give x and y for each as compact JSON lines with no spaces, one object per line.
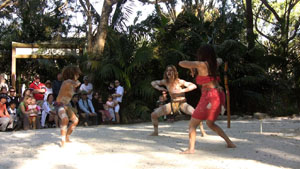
{"x":118,"y":98}
{"x":87,"y":86}
{"x":48,"y":89}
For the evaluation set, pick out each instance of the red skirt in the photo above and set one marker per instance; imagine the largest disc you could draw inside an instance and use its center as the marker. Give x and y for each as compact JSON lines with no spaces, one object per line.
{"x":209,"y":106}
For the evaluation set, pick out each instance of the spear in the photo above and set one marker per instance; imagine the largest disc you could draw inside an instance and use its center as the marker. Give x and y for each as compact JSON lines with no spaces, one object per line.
{"x":227,"y":93}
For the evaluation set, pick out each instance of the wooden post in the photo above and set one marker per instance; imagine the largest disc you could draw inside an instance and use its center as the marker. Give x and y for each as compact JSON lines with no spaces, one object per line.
{"x":227,"y":94}
{"x":13,"y":67}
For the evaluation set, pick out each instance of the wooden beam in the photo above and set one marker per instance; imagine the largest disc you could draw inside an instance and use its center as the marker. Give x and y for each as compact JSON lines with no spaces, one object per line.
{"x":41,"y":56}
{"x":46,"y":45}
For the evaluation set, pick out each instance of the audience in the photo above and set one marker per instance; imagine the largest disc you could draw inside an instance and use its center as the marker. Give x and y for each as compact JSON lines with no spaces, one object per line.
{"x":25,"y":112}
{"x":39,"y":90}
{"x":49,"y":112}
{"x":34,"y":111}
{"x":12,"y":97}
{"x":5,"y":120}
{"x":87,"y":86}
{"x":86,"y":108}
{"x":74,"y":104}
{"x":106,"y":117}
{"x":57,"y":84}
{"x":98,"y":105}
{"x":12,"y":111}
{"x":118,"y":98}
{"x":111,"y":88}
{"x":3,"y":82}
{"x":3,"y":90}
{"x":48,"y":89}
{"x":111,"y":107}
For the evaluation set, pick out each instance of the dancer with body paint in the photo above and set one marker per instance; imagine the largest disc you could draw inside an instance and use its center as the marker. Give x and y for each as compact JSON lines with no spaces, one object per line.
{"x":177,"y":89}
{"x":63,"y":106}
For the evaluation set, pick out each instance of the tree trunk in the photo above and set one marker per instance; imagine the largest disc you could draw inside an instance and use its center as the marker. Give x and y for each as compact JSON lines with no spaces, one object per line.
{"x":249,"y":24}
{"x":103,"y":26}
{"x":87,"y":10}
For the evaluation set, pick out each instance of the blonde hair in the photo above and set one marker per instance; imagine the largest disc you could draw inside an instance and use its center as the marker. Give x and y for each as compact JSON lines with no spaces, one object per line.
{"x":175,"y":79}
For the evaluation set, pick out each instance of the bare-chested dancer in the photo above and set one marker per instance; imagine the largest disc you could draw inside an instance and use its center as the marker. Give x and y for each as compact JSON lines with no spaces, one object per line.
{"x":176,"y":88}
{"x":62,"y":104}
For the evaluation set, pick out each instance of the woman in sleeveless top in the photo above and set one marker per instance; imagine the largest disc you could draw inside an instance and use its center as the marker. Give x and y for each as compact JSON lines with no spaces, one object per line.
{"x":212,"y":96}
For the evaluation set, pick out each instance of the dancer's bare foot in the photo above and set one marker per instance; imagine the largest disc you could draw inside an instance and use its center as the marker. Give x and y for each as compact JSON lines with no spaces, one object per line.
{"x":154,"y":134}
{"x":203,"y":135}
{"x":231,"y":145}
{"x":68,"y":140}
{"x":188,"y":151}
{"x":62,"y":144}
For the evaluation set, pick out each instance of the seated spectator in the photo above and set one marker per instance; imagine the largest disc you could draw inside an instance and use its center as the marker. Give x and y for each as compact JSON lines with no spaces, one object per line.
{"x":12,"y":111}
{"x":74,"y":104}
{"x":106,"y":116}
{"x":111,"y":107}
{"x":34,"y":111}
{"x":3,"y":90}
{"x":98,"y":105}
{"x":87,"y":86}
{"x":5,"y":120}
{"x":48,"y":89}
{"x":27,"y":92}
{"x":49,"y":113}
{"x":23,"y":113}
{"x":12,"y":97}
{"x":3,"y":82}
{"x":86,"y":108}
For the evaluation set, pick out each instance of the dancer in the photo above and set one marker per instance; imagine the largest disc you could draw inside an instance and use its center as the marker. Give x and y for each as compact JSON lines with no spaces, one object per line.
{"x":212,"y":96}
{"x":70,"y":75}
{"x":176,"y":88}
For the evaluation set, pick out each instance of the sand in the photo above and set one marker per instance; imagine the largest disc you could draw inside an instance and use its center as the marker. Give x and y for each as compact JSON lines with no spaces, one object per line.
{"x":130,"y":147}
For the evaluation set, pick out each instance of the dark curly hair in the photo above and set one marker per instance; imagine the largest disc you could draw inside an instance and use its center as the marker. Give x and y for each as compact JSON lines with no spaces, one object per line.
{"x":69,"y":72}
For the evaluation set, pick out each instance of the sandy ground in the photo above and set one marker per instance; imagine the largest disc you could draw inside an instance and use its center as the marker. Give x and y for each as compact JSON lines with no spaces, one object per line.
{"x":130,"y":147}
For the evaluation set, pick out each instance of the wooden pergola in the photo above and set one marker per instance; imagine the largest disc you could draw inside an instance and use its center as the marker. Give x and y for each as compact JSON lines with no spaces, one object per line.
{"x":41,"y":51}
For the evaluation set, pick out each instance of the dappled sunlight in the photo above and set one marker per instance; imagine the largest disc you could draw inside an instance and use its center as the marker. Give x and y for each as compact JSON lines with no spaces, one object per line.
{"x":23,"y":135}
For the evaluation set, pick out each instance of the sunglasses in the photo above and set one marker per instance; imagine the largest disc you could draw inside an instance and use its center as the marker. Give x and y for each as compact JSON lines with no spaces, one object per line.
{"x":12,"y":91}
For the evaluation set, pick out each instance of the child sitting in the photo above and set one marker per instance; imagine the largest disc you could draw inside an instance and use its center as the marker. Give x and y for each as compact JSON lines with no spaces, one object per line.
{"x":13,"y":113}
{"x":106,"y":117}
{"x":34,"y":109}
{"x":111,"y":107}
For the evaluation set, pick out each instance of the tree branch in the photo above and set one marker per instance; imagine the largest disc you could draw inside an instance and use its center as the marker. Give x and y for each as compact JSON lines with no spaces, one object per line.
{"x":260,"y":32}
{"x":5,"y":4}
{"x":61,"y":7}
{"x":271,"y":9}
{"x":154,"y":1}
{"x":296,"y":30}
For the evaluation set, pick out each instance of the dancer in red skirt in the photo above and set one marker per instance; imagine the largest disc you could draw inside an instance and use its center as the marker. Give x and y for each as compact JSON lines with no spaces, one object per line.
{"x":212,"y":95}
